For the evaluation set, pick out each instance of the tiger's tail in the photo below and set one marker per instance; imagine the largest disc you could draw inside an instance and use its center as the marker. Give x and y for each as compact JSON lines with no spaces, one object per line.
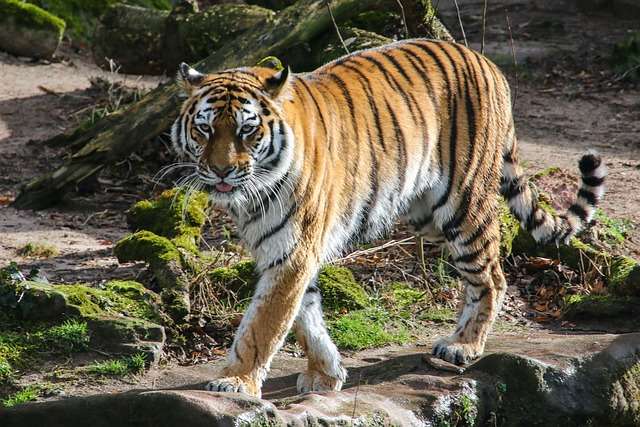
{"x":544,"y":226}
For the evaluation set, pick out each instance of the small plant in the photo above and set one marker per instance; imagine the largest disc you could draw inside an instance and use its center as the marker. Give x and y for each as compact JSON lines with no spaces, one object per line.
{"x":71,"y":336}
{"x":134,"y":364}
{"x":38,"y":250}
{"x":614,"y":230}
{"x":25,"y":395}
{"x":5,"y":371}
{"x":626,"y":57}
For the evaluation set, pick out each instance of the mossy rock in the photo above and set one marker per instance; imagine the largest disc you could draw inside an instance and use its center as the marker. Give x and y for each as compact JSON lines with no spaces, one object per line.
{"x":132,"y":36}
{"x":41,"y":301}
{"x":28,"y":30}
{"x":604,"y":307}
{"x":82,"y":16}
{"x":190,"y":37}
{"x":147,"y":246}
{"x":625,"y":276}
{"x":240,"y":278}
{"x":340,"y":291}
{"x":173,"y":216}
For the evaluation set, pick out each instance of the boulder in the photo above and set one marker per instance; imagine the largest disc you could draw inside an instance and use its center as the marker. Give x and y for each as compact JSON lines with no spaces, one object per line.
{"x":28,"y":30}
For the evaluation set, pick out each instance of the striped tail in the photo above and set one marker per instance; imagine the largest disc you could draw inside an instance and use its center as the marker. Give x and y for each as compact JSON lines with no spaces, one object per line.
{"x":544,"y":226}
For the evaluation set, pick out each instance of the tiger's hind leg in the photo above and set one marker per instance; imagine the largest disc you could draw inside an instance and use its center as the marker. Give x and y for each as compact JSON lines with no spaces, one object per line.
{"x":324,"y":370}
{"x":475,"y":252}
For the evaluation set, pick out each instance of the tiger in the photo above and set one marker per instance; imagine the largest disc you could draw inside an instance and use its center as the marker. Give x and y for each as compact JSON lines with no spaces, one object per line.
{"x":308,"y":165}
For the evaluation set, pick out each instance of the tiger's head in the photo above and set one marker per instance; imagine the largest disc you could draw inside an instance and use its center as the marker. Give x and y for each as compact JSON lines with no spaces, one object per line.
{"x":232,"y":131}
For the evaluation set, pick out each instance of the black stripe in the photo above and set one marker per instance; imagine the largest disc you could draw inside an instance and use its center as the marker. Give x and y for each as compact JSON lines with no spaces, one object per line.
{"x":479,"y":231}
{"x":588,"y":196}
{"x":420,"y":69}
{"x":472,"y":256}
{"x":278,"y":227}
{"x":423,"y":47}
{"x":364,"y":80}
{"x":402,"y":148}
{"x":393,"y":84}
{"x":315,"y":102}
{"x":578,"y":211}
{"x":452,"y":155}
{"x":592,"y":181}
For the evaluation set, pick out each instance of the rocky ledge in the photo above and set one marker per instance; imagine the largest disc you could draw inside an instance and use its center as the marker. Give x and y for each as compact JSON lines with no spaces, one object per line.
{"x":535,"y":379}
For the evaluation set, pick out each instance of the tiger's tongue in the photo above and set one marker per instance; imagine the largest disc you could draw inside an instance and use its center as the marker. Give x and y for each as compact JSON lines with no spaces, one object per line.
{"x":223,"y":187}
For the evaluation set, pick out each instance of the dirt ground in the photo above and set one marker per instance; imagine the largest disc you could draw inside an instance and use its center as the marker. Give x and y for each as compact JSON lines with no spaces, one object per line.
{"x":567,"y":100}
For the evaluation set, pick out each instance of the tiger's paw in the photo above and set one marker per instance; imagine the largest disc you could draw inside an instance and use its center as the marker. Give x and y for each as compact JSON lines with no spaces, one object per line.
{"x":232,"y":385}
{"x":313,"y":380}
{"x":456,"y":352}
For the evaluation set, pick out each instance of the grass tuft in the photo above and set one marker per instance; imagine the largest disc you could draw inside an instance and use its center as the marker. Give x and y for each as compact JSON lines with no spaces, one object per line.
{"x":134,"y":364}
{"x":27,"y":394}
{"x":71,"y":336}
{"x":38,"y":250}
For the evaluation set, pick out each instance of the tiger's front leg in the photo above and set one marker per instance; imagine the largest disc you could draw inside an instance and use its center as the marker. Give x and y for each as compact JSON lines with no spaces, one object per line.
{"x":265,"y":325}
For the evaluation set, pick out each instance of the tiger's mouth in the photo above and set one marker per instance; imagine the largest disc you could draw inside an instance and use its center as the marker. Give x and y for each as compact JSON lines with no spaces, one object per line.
{"x":223,"y":187}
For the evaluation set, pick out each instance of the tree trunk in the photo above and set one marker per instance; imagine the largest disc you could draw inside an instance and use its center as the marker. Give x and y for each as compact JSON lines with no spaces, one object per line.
{"x":116,"y":136}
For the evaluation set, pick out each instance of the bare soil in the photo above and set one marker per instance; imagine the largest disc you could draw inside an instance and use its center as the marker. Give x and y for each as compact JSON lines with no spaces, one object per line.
{"x":567,"y":100}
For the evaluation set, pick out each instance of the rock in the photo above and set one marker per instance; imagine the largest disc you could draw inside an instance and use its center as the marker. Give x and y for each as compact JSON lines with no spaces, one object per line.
{"x":132,"y":36}
{"x":28,"y":30}
{"x":574,"y":381}
{"x":272,"y":4}
{"x":240,"y":278}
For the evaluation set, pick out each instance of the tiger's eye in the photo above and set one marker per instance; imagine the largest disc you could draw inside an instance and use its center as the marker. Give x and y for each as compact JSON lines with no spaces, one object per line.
{"x":204,"y":128}
{"x":246,"y":128}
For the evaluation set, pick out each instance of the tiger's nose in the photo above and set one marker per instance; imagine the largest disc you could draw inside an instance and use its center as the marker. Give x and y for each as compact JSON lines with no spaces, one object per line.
{"x":223,"y":171}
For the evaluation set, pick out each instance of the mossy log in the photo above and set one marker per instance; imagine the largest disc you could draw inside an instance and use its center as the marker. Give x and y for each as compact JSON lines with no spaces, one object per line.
{"x":28,"y":30}
{"x":116,"y":136}
{"x":148,"y":41}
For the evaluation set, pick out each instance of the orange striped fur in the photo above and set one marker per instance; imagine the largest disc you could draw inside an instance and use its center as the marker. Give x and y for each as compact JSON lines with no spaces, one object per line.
{"x":308,"y":164}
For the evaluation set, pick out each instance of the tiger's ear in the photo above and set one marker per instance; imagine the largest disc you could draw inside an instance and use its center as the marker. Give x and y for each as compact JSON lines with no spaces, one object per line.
{"x":188,"y":77}
{"x":277,"y":82}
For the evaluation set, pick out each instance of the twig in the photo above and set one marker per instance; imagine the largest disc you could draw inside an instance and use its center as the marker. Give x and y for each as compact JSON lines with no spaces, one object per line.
{"x":484,"y":25}
{"x":626,"y":73}
{"x":515,"y":64}
{"x":335,"y":25}
{"x":464,"y":36}
{"x":374,"y":249}
{"x":355,"y":398}
{"x":404,"y":19}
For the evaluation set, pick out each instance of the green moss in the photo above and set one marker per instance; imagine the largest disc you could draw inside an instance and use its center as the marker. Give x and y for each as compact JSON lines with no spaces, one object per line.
{"x":82,"y":16}
{"x":629,"y":386}
{"x":340,"y":291}
{"x":30,"y":16}
{"x":146,"y":246}
{"x":367,"y":328}
{"x":25,"y":395}
{"x":38,"y":250}
{"x":624,"y":278}
{"x":439,"y":315}
{"x":240,"y":278}
{"x":329,"y":47}
{"x":546,"y":172}
{"x":172,"y":215}
{"x":509,"y":229}
{"x":376,"y":21}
